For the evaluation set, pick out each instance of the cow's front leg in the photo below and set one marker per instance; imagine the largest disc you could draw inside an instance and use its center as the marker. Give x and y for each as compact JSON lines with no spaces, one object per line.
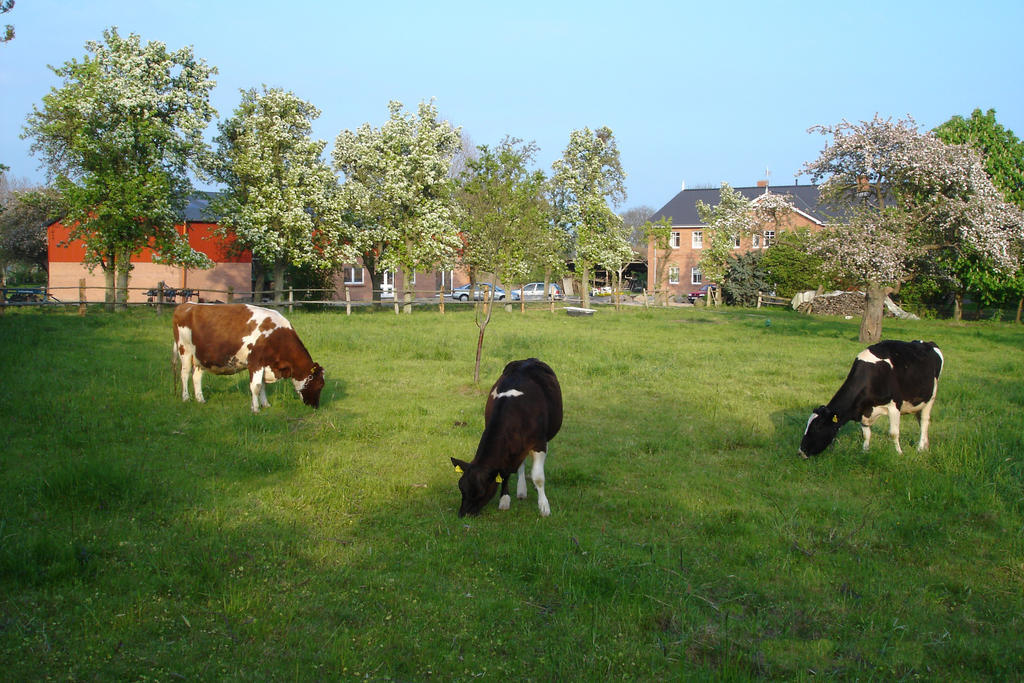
{"x":258,"y":390}
{"x":537,"y":474}
{"x":506,"y":500}
{"x":521,"y":481}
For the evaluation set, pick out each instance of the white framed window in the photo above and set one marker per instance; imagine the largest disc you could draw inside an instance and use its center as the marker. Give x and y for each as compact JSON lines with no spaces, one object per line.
{"x":697,"y":239}
{"x":676,"y":240}
{"x":673,"y":275}
{"x":695,"y":276}
{"x":447,"y":278}
{"x":353,"y":275}
{"x":755,"y":240}
{"x":769,"y":237}
{"x":736,"y":242}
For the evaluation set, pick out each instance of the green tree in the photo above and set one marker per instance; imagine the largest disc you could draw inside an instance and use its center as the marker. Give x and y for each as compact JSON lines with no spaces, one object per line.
{"x":119,"y":139}
{"x":587,"y":182}
{"x":281,"y":195}
{"x":505,"y":218}
{"x":791,"y":265}
{"x":8,"y":31}
{"x":1003,"y":154}
{"x":658,"y":235}
{"x":398,"y":191}
{"x":744,"y":277}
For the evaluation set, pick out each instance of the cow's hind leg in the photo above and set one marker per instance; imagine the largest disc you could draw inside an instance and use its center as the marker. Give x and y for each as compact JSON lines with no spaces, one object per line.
{"x":537,"y":474}
{"x":197,"y":378}
{"x":925,"y":418}
{"x":186,"y":367}
{"x":894,"y":426}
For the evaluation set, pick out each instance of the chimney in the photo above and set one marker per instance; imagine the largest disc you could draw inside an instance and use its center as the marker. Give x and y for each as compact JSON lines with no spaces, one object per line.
{"x":683,"y":188}
{"x":762,"y":183}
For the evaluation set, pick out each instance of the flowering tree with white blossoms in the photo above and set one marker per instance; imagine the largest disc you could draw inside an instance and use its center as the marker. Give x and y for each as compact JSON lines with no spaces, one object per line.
{"x":281,"y":194}
{"x":734,"y":217}
{"x":398,"y":191}
{"x":118,"y":139}
{"x":584,"y":181}
{"x":903,"y":196}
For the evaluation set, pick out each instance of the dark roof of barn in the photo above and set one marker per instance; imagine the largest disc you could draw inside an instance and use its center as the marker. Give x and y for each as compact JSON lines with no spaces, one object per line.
{"x":682,"y":209}
{"x":198,"y":208}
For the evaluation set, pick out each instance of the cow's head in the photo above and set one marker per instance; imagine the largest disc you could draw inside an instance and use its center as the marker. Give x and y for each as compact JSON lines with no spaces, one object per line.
{"x":477,"y":484}
{"x":822,"y":427}
{"x":312,"y":387}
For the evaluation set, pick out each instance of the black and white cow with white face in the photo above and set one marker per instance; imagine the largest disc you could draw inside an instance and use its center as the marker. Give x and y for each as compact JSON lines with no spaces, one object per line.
{"x":888,"y":378}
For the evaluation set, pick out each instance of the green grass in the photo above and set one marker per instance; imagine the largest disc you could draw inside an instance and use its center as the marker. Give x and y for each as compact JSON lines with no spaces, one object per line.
{"x":144,"y":538}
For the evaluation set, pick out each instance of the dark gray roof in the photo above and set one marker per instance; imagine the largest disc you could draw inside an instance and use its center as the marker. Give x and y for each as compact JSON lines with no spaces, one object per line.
{"x":197,"y":209}
{"x":682,"y":209}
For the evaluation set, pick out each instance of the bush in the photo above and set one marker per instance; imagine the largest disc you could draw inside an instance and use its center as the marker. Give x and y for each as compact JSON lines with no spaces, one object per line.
{"x":745,"y":276}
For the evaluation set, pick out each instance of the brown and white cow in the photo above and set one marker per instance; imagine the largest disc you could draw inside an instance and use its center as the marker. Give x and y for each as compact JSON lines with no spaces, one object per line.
{"x":229,"y":338}
{"x":523,"y":413}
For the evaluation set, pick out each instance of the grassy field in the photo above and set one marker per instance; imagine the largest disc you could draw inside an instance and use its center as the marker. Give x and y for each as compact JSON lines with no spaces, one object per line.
{"x":144,"y":538}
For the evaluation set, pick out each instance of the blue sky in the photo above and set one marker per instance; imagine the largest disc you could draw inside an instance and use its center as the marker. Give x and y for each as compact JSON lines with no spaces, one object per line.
{"x":700,"y":93}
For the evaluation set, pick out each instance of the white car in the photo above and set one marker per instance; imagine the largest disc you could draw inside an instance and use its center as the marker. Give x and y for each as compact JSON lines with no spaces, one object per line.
{"x":535,"y":290}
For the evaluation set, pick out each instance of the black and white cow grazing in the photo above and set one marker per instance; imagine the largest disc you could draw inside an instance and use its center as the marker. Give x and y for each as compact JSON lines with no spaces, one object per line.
{"x":523,"y":413}
{"x":887,"y":378}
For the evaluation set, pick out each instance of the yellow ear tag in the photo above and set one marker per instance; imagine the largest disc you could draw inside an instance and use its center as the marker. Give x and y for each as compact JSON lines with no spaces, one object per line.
{"x":498,"y":479}
{"x":458,"y":469}
{"x":835,"y":418}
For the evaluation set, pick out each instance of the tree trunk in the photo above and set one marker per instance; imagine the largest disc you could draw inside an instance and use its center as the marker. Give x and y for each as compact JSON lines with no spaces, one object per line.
{"x":482,"y":324}
{"x":958,"y":307}
{"x":121,"y":290}
{"x":585,"y":283}
{"x":409,"y":289}
{"x":279,"y":270}
{"x":108,"y":294}
{"x":874,"y":309}
{"x":1020,"y":305}
{"x":261,"y":282}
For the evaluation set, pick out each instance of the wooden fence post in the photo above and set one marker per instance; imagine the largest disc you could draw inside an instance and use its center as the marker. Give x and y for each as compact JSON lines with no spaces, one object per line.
{"x":440,"y":299}
{"x":291,"y":298}
{"x":81,"y":296}
{"x":231,"y":294}
{"x":348,"y":302}
{"x":160,"y":297}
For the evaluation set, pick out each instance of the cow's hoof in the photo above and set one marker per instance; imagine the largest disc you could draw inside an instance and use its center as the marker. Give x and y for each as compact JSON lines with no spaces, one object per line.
{"x":505,"y":503}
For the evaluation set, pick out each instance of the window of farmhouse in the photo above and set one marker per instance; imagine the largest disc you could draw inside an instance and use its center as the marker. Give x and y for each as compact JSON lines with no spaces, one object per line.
{"x":736,"y":242}
{"x":756,"y":241}
{"x":353,"y":275}
{"x":695,"y":276}
{"x":769,"y":237}
{"x":673,"y":275}
{"x":676,"y":240}
{"x":698,"y":239}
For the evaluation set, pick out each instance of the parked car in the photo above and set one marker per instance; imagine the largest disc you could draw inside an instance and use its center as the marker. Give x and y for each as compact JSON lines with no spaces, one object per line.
{"x":462,"y":293}
{"x":700,"y":293}
{"x":535,"y":290}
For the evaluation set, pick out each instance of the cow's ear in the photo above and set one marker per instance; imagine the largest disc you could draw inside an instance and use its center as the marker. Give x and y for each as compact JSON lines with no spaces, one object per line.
{"x":460,"y":465}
